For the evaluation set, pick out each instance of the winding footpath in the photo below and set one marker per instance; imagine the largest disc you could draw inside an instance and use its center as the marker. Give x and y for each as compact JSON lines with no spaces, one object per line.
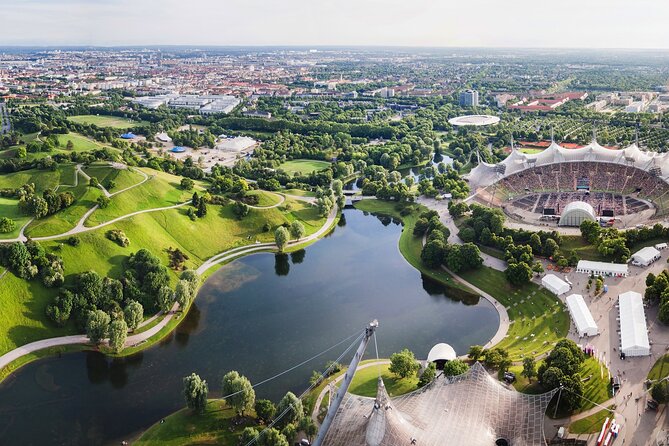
{"x":139,"y":338}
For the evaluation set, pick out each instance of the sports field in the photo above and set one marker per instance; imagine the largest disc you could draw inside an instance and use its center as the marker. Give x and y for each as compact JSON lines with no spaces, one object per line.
{"x":104,"y":121}
{"x":303,"y":166}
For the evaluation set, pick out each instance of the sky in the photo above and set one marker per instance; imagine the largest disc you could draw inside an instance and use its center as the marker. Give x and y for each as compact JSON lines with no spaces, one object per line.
{"x":432,"y":23}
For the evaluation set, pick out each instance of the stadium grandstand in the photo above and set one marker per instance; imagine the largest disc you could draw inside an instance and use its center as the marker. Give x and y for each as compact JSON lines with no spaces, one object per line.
{"x":615,"y":183}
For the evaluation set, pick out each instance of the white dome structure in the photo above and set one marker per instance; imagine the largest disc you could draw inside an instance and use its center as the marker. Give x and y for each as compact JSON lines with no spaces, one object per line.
{"x":576,"y":213}
{"x":441,"y":352}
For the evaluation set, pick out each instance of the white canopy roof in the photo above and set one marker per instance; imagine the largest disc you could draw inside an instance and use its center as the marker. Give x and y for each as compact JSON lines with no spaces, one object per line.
{"x":485,"y":174}
{"x":633,"y":331}
{"x":646,"y":255}
{"x":555,"y":284}
{"x":613,"y":268}
{"x":580,"y":313}
{"x":441,"y":352}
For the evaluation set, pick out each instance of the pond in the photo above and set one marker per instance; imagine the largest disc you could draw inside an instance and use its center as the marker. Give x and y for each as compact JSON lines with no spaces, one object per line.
{"x":259,"y":315}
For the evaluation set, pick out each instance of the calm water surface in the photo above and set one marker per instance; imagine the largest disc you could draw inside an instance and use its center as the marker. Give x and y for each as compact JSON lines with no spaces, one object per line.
{"x":258,"y":315}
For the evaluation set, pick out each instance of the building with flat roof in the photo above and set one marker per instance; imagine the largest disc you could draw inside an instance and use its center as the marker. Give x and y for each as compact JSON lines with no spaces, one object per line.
{"x":602,"y":268}
{"x":580,"y":314}
{"x":633,"y":330}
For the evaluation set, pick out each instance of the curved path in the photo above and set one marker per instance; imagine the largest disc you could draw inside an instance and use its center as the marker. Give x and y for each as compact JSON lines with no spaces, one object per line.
{"x":282,"y":198}
{"x":139,"y":338}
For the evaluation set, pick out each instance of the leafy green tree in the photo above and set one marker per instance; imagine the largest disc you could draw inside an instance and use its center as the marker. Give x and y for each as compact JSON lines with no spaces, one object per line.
{"x":195,"y":392}
{"x":297,"y":230}
{"x":165,"y":298}
{"x":455,"y":367}
{"x":265,"y":410}
{"x":69,"y":145}
{"x":518,"y":273}
{"x":403,"y":364}
{"x":7,"y":225}
{"x":529,"y":368}
{"x":660,"y":392}
{"x":307,"y":426}
{"x":133,"y":314}
{"x":290,"y":431}
{"x":187,"y":184}
{"x":338,"y":187}
{"x":201,"y":209}
{"x":293,"y":415}
{"x":183,"y":294}
{"x":272,"y":437}
{"x":248,"y":435}
{"x":428,"y":375}
{"x":97,"y":326}
{"x":475,"y":352}
{"x":239,"y":393}
{"x":281,"y":237}
{"x":118,"y":333}
{"x":432,"y":253}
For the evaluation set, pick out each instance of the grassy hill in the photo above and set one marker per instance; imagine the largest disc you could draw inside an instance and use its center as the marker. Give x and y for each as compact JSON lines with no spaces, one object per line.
{"x":104,"y":121}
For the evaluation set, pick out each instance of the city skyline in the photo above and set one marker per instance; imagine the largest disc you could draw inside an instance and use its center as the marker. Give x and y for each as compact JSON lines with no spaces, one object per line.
{"x":422,"y":23}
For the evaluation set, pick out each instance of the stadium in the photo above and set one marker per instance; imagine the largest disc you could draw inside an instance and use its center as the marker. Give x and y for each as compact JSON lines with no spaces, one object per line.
{"x":563,"y":187}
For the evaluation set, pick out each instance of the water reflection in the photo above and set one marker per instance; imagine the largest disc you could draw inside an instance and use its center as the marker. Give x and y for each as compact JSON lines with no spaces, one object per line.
{"x":281,"y":264}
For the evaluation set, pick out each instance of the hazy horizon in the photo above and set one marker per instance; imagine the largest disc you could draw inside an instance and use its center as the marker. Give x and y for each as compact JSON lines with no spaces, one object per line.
{"x":519,"y":24}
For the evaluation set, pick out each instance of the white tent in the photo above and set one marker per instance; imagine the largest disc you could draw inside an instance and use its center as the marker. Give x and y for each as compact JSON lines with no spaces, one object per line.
{"x":580,"y":314}
{"x":633,"y":331}
{"x":645,"y":256}
{"x":602,"y":268}
{"x":554,"y":284}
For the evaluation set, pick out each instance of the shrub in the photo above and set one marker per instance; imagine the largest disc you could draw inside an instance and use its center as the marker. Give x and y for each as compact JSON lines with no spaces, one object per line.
{"x":7,"y":225}
{"x":73,"y":241}
{"x":119,"y":237}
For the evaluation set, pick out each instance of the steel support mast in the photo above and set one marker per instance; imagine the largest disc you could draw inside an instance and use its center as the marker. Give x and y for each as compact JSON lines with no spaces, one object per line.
{"x":346,"y":382}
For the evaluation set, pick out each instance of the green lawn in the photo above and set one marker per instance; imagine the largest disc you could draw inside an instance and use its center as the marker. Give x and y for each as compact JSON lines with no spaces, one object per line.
{"x":43,"y":179}
{"x":365,"y":382}
{"x":66,"y":219}
{"x":105,"y":173}
{"x":214,"y":426}
{"x":303,"y":166}
{"x":266,"y":198}
{"x":592,"y":423}
{"x":596,"y":389}
{"x":104,"y":121}
{"x":538,"y":318}
{"x":530,"y":151}
{"x":9,"y":207}
{"x":80,"y":143}
{"x":660,"y":369}
{"x":299,"y":192}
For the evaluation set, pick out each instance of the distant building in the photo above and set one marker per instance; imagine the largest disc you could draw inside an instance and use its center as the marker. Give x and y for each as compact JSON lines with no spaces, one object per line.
{"x":469,"y":98}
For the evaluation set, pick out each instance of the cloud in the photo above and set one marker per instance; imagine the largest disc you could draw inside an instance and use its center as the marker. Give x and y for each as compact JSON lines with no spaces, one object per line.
{"x":519,"y":23}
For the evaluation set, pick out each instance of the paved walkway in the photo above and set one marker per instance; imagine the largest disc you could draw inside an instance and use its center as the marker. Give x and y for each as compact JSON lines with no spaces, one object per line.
{"x":281,"y":200}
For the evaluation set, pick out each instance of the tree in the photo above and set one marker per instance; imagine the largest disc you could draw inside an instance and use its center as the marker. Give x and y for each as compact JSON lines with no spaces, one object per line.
{"x":289,"y":401}
{"x":238,"y":392}
{"x":201,"y":208}
{"x":7,"y":225}
{"x":455,"y":367}
{"x":97,"y":326}
{"x":133,"y":314}
{"x":297,"y":230}
{"x":248,"y":435}
{"x":538,"y":267}
{"x":529,"y":368}
{"x":432,"y":253}
{"x":660,"y":392}
{"x":195,"y":392}
{"x":265,"y":410}
{"x":183,"y":294}
{"x":518,"y":273}
{"x":475,"y":352}
{"x":289,"y":431}
{"x":103,"y":201}
{"x":69,"y":145}
{"x":281,"y":237}
{"x":338,"y":187}
{"x":272,"y":437}
{"x":307,"y":426}
{"x":428,"y":375}
{"x":165,"y":298}
{"x":404,"y":364}
{"x":118,"y":332}
{"x":187,"y":184}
